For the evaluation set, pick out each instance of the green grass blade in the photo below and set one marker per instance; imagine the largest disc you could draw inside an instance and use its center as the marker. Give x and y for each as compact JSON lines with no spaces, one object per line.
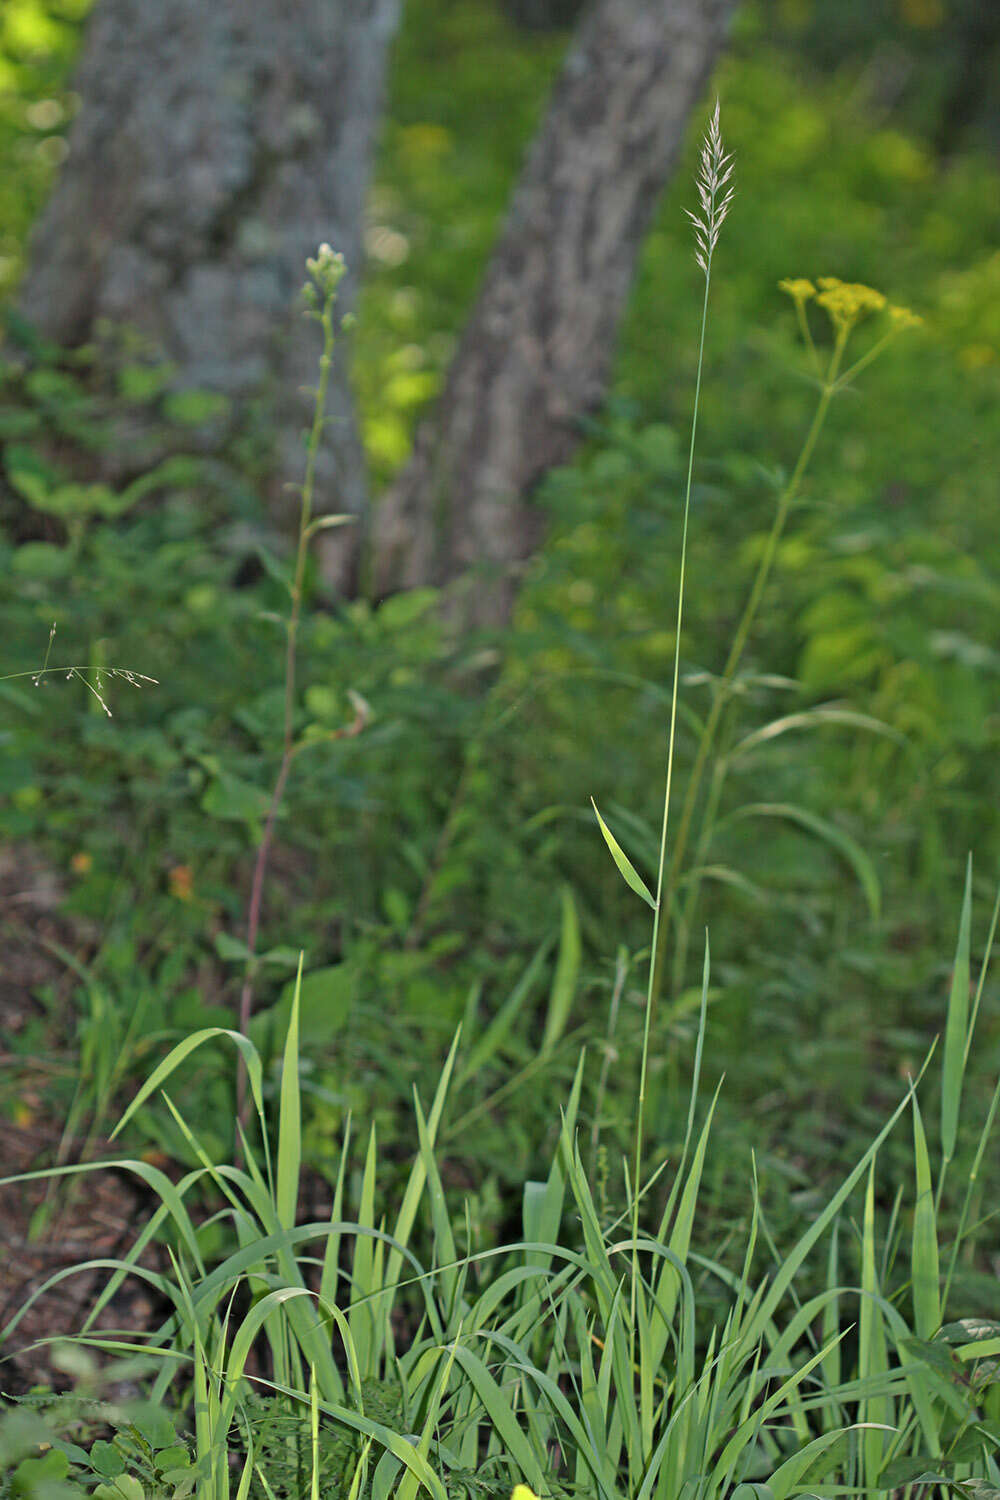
{"x":831,"y":1312}
{"x":628,"y":871}
{"x":873,"y":1362}
{"x":546,"y":1208}
{"x":290,"y":1119}
{"x":501,"y":1415}
{"x":558,"y":1403}
{"x":410,"y":1483}
{"x":956,"y":1030}
{"x":814,"y":718}
{"x":741,"y":1440}
{"x":313,"y":1424}
{"x":970,"y":1187}
{"x":330,"y":1274}
{"x":792,"y":1262}
{"x":925,"y":1260}
{"x":362,"y":1284}
{"x":417,"y":1179}
{"x":445,"y":1253}
{"x":174,"y":1058}
{"x":567,"y":972}
{"x":668,"y":1285}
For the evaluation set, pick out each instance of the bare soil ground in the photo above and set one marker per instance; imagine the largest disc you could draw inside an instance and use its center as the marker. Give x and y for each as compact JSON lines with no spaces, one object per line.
{"x":92,"y":1216}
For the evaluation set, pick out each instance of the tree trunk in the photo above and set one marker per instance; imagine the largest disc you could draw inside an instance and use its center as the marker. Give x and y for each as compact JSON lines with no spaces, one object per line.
{"x":218,"y":143}
{"x":542,"y":15}
{"x":537,"y":351}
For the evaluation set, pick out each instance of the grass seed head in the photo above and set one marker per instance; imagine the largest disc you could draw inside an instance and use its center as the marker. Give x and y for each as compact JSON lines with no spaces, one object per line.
{"x":715,"y":192}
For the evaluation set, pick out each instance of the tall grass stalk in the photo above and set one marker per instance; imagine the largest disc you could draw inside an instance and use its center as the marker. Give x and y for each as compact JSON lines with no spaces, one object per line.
{"x":715,"y":194}
{"x":326,"y":271}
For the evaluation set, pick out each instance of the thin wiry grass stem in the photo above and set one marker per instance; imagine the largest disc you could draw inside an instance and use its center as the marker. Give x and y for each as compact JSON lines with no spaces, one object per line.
{"x":686,"y":919}
{"x":658,"y":909}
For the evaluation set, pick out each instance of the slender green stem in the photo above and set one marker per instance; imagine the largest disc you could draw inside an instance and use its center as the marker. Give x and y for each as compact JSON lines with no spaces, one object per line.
{"x":865,"y":360}
{"x":807,"y":338}
{"x":686,"y":921}
{"x":722,"y":687}
{"x":658,"y":909}
{"x":291,"y":663}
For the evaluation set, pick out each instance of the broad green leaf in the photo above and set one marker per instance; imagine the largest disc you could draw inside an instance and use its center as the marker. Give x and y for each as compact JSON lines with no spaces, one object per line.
{"x":231,"y":799}
{"x":325,"y":998}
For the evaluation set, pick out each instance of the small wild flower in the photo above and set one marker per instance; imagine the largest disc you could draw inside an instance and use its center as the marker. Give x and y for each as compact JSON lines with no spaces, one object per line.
{"x":180,"y":880}
{"x":903,"y":317}
{"x":327,"y":269}
{"x":847,"y":301}
{"x":714,"y":173}
{"x":799,"y":288}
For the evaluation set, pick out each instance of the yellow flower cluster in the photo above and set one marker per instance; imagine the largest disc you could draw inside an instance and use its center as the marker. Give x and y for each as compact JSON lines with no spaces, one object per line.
{"x":846,"y":301}
{"x":902,"y":317}
{"x":799,"y":288}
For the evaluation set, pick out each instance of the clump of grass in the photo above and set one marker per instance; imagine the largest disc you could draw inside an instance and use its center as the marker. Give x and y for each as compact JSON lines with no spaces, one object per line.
{"x":585,"y":1357}
{"x":580,"y":1358}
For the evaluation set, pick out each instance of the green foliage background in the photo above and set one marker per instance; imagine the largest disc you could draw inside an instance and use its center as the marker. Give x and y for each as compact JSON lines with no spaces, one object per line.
{"x":425,"y":863}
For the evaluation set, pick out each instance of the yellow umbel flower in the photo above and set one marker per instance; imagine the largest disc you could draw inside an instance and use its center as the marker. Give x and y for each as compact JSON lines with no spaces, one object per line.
{"x":902,"y":317}
{"x":799,"y":288}
{"x":847,"y":301}
{"x":523,"y":1492}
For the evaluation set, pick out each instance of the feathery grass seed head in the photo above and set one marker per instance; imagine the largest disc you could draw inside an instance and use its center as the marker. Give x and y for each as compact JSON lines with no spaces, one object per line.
{"x":715,"y":171}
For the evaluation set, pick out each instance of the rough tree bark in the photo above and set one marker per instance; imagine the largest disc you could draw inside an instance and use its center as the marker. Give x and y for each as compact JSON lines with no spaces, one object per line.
{"x":537,"y":350}
{"x":217,"y":144}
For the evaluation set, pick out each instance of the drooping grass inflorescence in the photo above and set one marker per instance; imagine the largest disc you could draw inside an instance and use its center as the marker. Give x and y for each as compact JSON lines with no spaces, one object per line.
{"x":92,"y":678}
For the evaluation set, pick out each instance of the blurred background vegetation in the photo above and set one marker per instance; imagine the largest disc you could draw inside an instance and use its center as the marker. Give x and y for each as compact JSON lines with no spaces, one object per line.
{"x":444,"y":865}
